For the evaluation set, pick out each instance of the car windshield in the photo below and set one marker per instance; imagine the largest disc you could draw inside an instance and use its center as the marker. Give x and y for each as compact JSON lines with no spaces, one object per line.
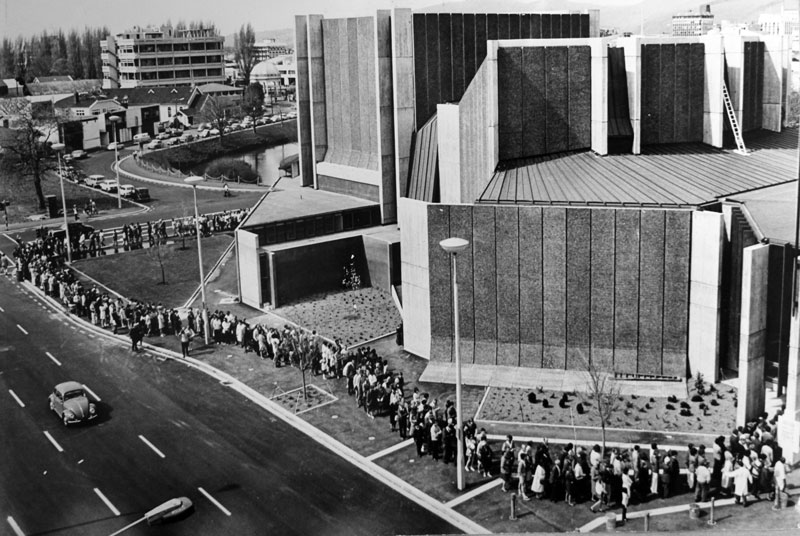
{"x":77,"y":393}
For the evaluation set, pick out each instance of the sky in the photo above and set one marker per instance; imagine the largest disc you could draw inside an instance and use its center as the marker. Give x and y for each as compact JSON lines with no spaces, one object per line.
{"x":27,"y":17}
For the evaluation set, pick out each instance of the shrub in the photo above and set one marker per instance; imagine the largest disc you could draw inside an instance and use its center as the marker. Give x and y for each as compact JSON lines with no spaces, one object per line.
{"x":697,"y":398}
{"x":670,"y":406}
{"x":233,"y":169}
{"x":699,"y":384}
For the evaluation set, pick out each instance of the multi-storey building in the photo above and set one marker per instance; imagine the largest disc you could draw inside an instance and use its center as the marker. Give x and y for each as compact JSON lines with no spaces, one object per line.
{"x":162,"y":57}
{"x":271,"y":48}
{"x":787,"y":22}
{"x":693,"y":24}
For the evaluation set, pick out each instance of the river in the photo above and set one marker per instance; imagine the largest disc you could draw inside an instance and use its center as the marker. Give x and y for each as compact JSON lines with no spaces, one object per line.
{"x":264,"y":161}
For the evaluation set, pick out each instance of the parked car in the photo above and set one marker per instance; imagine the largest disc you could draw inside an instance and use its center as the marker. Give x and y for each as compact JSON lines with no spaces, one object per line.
{"x":213,"y":132}
{"x":127,"y":190}
{"x":78,"y":154}
{"x":141,"y":194}
{"x":185,"y":138}
{"x":115,"y":145}
{"x":94,"y":180}
{"x":236,"y":126}
{"x":108,"y":185}
{"x":170,"y":142}
{"x":262,"y":121}
{"x":142,"y":138}
{"x":163,"y":136}
{"x":69,"y":401}
{"x":203,"y":133}
{"x":155,"y":144}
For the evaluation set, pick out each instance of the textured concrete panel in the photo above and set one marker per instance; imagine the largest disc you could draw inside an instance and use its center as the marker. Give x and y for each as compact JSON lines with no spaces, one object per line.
{"x":668,"y":95}
{"x":333,"y":94}
{"x":682,"y":92}
{"x":557,"y":110}
{"x":420,"y":67}
{"x":492,"y":25}
{"x":369,"y":96}
{"x":513,"y":26}
{"x":586,"y":26}
{"x":696,"y":90}
{"x":677,"y":255}
{"x":354,"y":72}
{"x":474,"y":43}
{"x":651,"y":291}
{"x":536,"y":26}
{"x":446,"y":93}
{"x":510,"y":99}
{"x":579,"y":296}
{"x":602,"y":247}
{"x":485,"y":284}
{"x":525,"y":25}
{"x":461,"y":226}
{"x":565,"y":26}
{"x":534,"y":103}
{"x":413,"y":223}
{"x":753,"y":328}
{"x":433,"y":81}
{"x":546,"y":26}
{"x":554,"y":272}
{"x":580,"y":97}
{"x":575,"y":25}
{"x":651,"y":80}
{"x":508,"y":296}
{"x":457,"y":52}
{"x":440,"y":289}
{"x":303,"y":101}
{"x":626,"y":291}
{"x":530,"y":292}
{"x":503,"y":26}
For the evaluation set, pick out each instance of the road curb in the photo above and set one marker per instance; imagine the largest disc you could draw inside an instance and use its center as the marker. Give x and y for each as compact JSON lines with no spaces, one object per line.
{"x":134,"y":176}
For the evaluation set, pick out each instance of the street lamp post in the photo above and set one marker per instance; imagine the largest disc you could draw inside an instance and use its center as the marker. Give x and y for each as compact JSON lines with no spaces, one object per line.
{"x":114,"y":120}
{"x":454,"y":246}
{"x":194,"y":180}
{"x":59,"y":148}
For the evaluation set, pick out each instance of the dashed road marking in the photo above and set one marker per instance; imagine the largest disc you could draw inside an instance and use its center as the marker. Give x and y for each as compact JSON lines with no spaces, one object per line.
{"x":214,"y":501}
{"x":105,"y":500}
{"x":97,"y":398}
{"x":20,"y":402}
{"x":56,"y":361}
{"x":22,"y":329}
{"x":14,"y":526}
{"x":146,"y":442}
{"x":54,"y":442}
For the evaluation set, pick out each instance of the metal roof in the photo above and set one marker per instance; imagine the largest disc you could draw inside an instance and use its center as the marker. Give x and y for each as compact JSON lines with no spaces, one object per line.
{"x":679,"y":175}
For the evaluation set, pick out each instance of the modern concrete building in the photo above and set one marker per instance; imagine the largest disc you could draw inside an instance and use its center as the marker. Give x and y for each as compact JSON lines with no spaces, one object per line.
{"x":691,"y":24}
{"x":270,"y":48}
{"x":161,"y":57}
{"x":593,"y":178}
{"x":787,"y":22}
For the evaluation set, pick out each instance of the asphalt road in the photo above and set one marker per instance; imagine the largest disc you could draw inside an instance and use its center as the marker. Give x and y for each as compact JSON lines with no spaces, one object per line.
{"x":164,"y":430}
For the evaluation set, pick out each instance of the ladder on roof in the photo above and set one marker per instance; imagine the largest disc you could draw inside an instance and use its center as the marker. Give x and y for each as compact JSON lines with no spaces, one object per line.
{"x":737,"y":133}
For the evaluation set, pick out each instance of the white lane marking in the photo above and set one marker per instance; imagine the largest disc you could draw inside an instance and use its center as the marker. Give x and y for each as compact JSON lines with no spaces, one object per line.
{"x":56,"y":361}
{"x":105,"y":500}
{"x":146,"y":442}
{"x":54,"y":442}
{"x":22,"y":329}
{"x":387,"y":451}
{"x":97,"y":398}
{"x":14,"y":526}
{"x":21,"y":404}
{"x":216,"y":502}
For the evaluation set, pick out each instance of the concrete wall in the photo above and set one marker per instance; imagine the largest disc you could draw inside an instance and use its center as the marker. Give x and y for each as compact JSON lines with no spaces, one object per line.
{"x":349,"y":50}
{"x":708,"y":240}
{"x":304,"y":135}
{"x":385,"y":116}
{"x":249,"y":274}
{"x":544,"y":99}
{"x":744,"y":58}
{"x":413,"y":222}
{"x":777,"y":58}
{"x":549,"y":286}
{"x":753,"y":330}
{"x":316,"y":90}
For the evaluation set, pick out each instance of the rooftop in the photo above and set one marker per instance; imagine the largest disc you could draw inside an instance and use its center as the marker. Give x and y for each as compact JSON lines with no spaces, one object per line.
{"x":679,"y":175}
{"x":289,"y":201}
{"x":62,"y":87}
{"x":772,"y":210}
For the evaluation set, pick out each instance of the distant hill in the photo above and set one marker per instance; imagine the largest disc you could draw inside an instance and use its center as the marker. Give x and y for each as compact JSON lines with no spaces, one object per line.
{"x":654,"y":17}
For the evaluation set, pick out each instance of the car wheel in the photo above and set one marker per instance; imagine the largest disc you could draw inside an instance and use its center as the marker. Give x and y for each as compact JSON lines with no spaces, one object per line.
{"x":65,"y":420}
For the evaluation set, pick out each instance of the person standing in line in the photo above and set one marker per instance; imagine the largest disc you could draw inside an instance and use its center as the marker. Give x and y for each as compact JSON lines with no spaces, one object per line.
{"x":627,"y":484}
{"x":779,"y":475}
{"x":186,"y":338}
{"x":702,"y":481}
{"x":655,"y":469}
{"x":507,"y":468}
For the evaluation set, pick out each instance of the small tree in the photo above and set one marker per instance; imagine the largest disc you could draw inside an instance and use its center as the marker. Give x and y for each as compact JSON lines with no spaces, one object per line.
{"x":158,"y":254}
{"x":253,"y":103}
{"x":303,"y":352}
{"x":604,"y":395}
{"x":351,"y":280}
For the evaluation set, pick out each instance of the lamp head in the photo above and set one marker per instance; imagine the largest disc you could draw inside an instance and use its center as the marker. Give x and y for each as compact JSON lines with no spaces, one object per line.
{"x":193,"y":180}
{"x":58,"y":147}
{"x":454,"y":245}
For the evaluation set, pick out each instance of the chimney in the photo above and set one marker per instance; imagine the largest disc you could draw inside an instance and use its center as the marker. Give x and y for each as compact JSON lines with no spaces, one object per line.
{"x":75,"y":97}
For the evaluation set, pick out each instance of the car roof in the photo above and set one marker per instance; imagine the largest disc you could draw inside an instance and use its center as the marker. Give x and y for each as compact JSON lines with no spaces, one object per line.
{"x":65,"y":387}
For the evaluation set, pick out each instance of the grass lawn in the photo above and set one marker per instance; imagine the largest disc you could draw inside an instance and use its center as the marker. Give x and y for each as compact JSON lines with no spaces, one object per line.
{"x":20,"y":192}
{"x":354,"y":316}
{"x":137,"y":274}
{"x":641,"y":413}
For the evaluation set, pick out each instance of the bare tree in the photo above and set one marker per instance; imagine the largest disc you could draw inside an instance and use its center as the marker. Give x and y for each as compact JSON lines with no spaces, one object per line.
{"x":215,"y":113}
{"x":158,"y":253}
{"x":245,"y":51}
{"x":304,"y":349}
{"x":35,"y":125}
{"x":253,"y":102}
{"x":604,"y":395}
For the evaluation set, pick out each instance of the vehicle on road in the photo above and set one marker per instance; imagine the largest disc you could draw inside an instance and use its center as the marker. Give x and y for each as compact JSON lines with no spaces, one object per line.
{"x":127,"y":190}
{"x":115,"y":145}
{"x":155,"y":144}
{"x":70,"y":402}
{"x":108,"y":185}
{"x":163,"y":136}
{"x":203,"y":133}
{"x":213,"y":132}
{"x":186,"y":138}
{"x":141,"y":194}
{"x":77,"y":154}
{"x":142,"y":138}
{"x":94,"y":180}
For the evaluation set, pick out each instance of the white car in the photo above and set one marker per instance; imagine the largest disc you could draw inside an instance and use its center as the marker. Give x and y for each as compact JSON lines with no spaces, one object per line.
{"x":213,"y":132}
{"x":142,"y":138}
{"x":155,"y":144}
{"x":163,"y":136}
{"x":115,"y":145}
{"x":203,"y":133}
{"x":127,"y":190}
{"x":108,"y":185}
{"x":78,"y":153}
{"x":94,"y":180}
